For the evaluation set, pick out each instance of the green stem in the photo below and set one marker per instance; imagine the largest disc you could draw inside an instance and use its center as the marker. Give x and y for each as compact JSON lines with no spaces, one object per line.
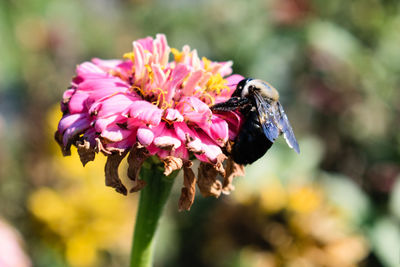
{"x":151,"y":203}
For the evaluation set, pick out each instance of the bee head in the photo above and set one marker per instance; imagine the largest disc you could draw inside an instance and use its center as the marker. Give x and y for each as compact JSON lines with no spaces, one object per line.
{"x":265,"y":89}
{"x":240,"y":86}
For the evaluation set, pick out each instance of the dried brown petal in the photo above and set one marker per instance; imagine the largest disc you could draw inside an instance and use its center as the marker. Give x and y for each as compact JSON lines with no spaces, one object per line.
{"x":232,"y":170}
{"x":207,"y":180}
{"x":111,"y":170}
{"x":100,"y":148}
{"x":189,"y":189}
{"x":138,"y":184}
{"x":137,"y":156}
{"x":219,"y":167}
{"x":86,"y":153}
{"x":172,"y":164}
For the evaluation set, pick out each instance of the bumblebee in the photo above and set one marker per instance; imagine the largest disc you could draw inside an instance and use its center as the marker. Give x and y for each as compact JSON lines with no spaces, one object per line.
{"x":265,"y":120}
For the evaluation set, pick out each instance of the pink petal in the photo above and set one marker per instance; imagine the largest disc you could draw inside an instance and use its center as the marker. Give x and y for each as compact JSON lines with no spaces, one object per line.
{"x":173,"y":115}
{"x":77,"y":102}
{"x":225,"y":68}
{"x":191,"y":83}
{"x":115,"y":104}
{"x":165,"y":137}
{"x":194,"y":110}
{"x":88,"y":68}
{"x":111,"y":84}
{"x":218,"y":130}
{"x":107,"y":65}
{"x":232,"y":81}
{"x":71,"y":125}
{"x":145,"y":136}
{"x":115,"y":133}
{"x":139,"y":63}
{"x":211,"y":150}
{"x":234,"y":120}
{"x":146,"y":112}
{"x":146,"y":43}
{"x":176,"y":78}
{"x":162,"y":48}
{"x":70,"y":120}
{"x":167,"y":141}
{"x":158,"y":75}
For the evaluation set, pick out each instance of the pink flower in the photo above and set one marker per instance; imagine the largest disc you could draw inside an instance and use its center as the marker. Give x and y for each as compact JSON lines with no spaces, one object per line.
{"x":11,"y":251}
{"x":147,"y":105}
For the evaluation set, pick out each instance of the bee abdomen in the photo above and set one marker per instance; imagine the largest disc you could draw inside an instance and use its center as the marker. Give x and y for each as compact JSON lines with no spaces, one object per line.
{"x":251,"y":142}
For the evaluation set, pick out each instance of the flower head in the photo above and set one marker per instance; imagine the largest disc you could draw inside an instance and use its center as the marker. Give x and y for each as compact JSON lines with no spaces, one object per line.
{"x":146,"y":105}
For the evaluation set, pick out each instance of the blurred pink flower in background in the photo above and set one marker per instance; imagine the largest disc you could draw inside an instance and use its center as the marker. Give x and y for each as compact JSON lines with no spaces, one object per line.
{"x":11,"y":252}
{"x":148,"y":105}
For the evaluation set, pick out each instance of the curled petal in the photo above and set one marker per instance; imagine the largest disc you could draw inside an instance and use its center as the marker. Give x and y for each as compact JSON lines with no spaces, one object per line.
{"x":115,"y":133}
{"x":172,"y":164}
{"x":218,"y":130}
{"x":192,"y":82}
{"x":145,"y":136}
{"x":232,"y":170}
{"x":167,"y":142}
{"x":77,"y":102}
{"x":176,"y":78}
{"x":111,"y":170}
{"x":88,"y":68}
{"x":85,"y":151}
{"x":209,"y":147}
{"x":145,"y":112}
{"x":207,"y":180}
{"x":189,"y":187}
{"x":69,"y":129}
{"x":115,"y":104}
{"x":137,"y":156}
{"x":173,"y":115}
{"x":195,"y":110}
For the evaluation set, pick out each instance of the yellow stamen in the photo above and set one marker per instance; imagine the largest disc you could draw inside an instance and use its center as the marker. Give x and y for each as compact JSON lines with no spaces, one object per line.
{"x":138,"y":89}
{"x":206,"y":62}
{"x":178,"y":56}
{"x":216,"y":84}
{"x":129,"y":55}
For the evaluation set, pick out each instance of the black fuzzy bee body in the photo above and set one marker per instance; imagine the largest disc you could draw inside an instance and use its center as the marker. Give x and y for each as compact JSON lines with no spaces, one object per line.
{"x":251,"y":142}
{"x":265,"y":120}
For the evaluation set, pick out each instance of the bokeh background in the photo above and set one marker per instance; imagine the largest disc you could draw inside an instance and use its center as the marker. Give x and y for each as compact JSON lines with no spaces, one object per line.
{"x":337,"y":67}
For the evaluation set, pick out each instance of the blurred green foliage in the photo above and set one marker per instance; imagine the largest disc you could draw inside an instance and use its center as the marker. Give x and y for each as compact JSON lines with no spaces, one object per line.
{"x":336,"y":65}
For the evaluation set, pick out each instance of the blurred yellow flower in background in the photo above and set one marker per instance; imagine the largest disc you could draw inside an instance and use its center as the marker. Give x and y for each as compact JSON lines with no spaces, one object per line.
{"x":292,"y":224}
{"x":86,"y":216}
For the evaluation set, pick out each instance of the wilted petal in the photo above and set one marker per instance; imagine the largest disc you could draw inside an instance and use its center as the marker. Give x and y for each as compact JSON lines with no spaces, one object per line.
{"x":137,"y":156}
{"x":232,"y":170}
{"x":189,"y":187}
{"x":85,"y":151}
{"x":172,"y":164}
{"x":207,"y":180}
{"x":69,"y":128}
{"x":111,"y":171}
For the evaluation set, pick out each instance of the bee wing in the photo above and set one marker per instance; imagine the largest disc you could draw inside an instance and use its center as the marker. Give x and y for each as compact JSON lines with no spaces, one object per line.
{"x":287,"y":130}
{"x":266,"y":116}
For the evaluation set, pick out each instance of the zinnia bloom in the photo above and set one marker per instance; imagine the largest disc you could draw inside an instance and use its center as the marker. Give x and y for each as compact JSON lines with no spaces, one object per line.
{"x":146,"y":105}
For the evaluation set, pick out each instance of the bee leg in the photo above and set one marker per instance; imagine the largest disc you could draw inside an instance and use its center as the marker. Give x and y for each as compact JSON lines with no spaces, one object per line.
{"x":231,"y":104}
